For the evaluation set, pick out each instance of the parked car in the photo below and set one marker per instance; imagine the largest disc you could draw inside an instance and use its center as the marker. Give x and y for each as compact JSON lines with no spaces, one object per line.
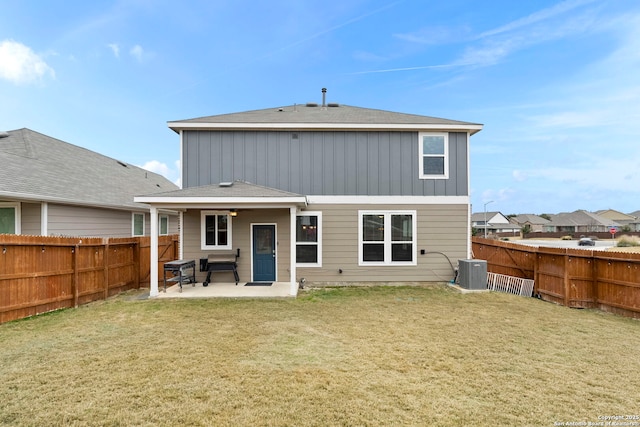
{"x":586,"y":241}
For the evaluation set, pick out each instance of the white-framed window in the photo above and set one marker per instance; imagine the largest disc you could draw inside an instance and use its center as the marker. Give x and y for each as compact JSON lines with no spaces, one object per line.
{"x":163,"y":225}
{"x":10,"y":218}
{"x":434,"y":155}
{"x":137,"y":225}
{"x":215,"y":230}
{"x":387,"y":238}
{"x":309,"y":239}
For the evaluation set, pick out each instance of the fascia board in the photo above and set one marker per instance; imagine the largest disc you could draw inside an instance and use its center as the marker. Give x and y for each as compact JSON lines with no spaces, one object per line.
{"x":388,"y":200}
{"x":471,"y":128}
{"x":257,"y":201}
{"x":62,"y":201}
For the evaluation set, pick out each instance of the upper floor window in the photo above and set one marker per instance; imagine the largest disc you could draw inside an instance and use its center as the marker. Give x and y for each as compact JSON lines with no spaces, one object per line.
{"x":309,"y":239}
{"x":9,"y":218}
{"x":434,"y":155}
{"x":137,"y":227}
{"x":215,"y":229}
{"x":387,"y":237}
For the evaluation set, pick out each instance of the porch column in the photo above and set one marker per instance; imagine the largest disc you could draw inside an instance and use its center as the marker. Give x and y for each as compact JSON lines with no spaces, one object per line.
{"x":153,"y":265}
{"x":293,"y":290}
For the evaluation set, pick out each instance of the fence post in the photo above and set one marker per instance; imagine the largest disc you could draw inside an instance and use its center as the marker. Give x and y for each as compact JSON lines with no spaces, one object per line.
{"x":106,"y":268}
{"x":136,"y":262}
{"x":594,"y":282}
{"x":536,"y":270}
{"x":75,"y":278}
{"x":565,"y":279}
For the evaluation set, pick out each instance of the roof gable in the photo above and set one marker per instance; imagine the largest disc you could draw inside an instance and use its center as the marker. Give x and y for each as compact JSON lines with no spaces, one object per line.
{"x":529,"y":218}
{"x":239,"y":189}
{"x":49,"y":169}
{"x":579,"y":218}
{"x":303,"y":116}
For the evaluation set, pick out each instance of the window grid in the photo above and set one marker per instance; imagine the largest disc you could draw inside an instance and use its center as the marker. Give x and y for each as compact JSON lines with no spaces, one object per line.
{"x":309,"y":239}
{"x":387,"y":238}
{"x":433,"y":155}
{"x":215,"y":230}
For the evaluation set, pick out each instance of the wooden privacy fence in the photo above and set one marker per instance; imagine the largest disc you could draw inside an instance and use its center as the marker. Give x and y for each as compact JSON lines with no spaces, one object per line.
{"x":579,"y":278}
{"x":40,"y":274}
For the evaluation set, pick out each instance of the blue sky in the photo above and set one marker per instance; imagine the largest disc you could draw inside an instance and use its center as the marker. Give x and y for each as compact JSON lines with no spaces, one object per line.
{"x":555,"y":83}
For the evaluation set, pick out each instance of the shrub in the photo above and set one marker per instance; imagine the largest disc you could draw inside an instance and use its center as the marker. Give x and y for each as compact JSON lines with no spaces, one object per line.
{"x":627,"y":241}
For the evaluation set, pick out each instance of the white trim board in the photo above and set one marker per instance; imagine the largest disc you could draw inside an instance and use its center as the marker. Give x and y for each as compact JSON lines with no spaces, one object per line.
{"x":389,"y":200}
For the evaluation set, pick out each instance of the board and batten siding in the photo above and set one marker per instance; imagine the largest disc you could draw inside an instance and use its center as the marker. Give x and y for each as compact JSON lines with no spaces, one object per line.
{"x":321,"y":163}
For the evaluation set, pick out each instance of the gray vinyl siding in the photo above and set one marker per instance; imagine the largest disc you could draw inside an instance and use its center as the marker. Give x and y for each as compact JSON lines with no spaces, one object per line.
{"x":241,"y":238}
{"x":65,"y":220}
{"x":442,"y":233}
{"x":31,"y":223}
{"x":321,"y":163}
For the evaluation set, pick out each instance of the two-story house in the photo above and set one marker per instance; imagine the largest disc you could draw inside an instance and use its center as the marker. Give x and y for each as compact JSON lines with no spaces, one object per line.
{"x":326,"y":192}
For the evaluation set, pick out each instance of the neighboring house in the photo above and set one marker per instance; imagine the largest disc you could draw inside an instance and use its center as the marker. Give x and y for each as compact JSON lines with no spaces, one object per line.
{"x":618,"y":217}
{"x":579,"y":221}
{"x":635,"y":224}
{"x":51,"y":188}
{"x":535,"y":222}
{"x":493,"y":222}
{"x":330,"y":193}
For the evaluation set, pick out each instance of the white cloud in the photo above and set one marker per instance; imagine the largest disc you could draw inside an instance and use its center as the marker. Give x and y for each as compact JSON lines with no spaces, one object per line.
{"x":519,"y":175}
{"x":164,"y":170}
{"x":157,"y":167}
{"x":137,"y":52}
{"x":19,"y":64}
{"x":115,"y":49}
{"x":534,"y":18}
{"x":436,"y":35}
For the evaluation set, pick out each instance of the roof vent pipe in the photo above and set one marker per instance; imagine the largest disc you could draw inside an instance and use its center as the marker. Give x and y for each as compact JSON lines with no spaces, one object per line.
{"x":324,"y":96}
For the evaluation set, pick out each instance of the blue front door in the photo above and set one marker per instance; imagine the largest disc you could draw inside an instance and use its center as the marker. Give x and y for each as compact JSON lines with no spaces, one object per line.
{"x":264,"y":253}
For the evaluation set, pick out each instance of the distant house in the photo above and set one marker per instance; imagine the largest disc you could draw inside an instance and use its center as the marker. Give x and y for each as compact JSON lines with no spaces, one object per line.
{"x":536,"y":223}
{"x":635,"y":224}
{"x":493,"y":222}
{"x":579,"y":221}
{"x":618,"y":217}
{"x":326,"y":192}
{"x":49,"y":187}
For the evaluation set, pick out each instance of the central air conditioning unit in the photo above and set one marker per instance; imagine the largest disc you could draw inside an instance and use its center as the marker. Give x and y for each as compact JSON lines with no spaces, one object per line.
{"x":472,"y":274}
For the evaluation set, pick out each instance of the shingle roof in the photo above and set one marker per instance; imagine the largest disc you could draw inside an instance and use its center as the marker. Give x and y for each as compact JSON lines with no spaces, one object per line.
{"x":39,"y":167}
{"x":530,"y":218}
{"x":578,"y":218}
{"x":342,"y":115}
{"x":236,"y":189}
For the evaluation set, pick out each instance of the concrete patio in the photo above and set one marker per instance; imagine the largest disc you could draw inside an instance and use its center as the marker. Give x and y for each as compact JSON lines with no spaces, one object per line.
{"x":226,"y":290}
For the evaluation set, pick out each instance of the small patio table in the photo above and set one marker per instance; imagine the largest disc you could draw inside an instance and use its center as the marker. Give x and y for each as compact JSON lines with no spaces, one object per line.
{"x":180,"y":270}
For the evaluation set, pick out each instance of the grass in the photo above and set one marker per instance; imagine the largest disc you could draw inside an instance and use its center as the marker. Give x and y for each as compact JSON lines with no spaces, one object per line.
{"x":410,"y":356}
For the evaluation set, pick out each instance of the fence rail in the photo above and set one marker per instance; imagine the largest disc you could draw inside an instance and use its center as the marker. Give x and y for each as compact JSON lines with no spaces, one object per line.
{"x":40,"y":273}
{"x":579,"y":278}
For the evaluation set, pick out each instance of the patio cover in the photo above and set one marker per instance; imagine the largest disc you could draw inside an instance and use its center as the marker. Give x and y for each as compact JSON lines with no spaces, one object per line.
{"x":226,"y":195}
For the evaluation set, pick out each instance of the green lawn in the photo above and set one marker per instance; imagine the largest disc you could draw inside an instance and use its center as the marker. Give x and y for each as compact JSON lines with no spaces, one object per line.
{"x":386,"y":356}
